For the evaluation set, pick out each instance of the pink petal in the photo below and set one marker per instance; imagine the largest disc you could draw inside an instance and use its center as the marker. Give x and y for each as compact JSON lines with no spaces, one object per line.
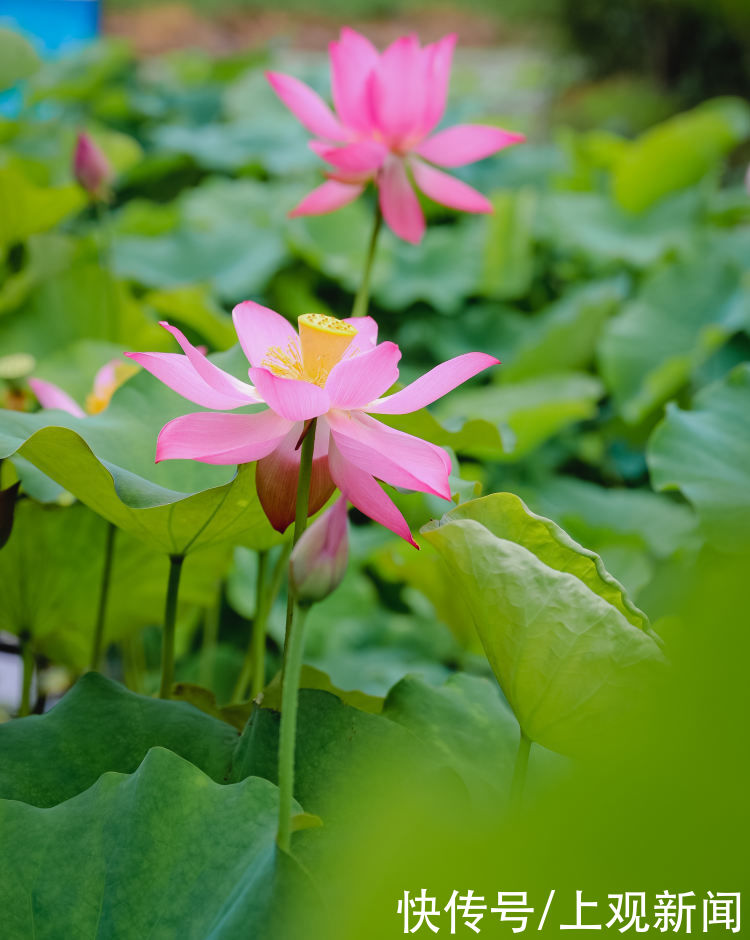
{"x":438,"y":61}
{"x":293,"y":399}
{"x":259,"y":329}
{"x":466,"y":143}
{"x":353,"y":58}
{"x":221,"y":438}
{"x":363,"y":156}
{"x":51,"y":396}
{"x":327,"y":197}
{"x":363,"y":492}
{"x":277,"y":476}
{"x":433,"y":384}
{"x":390,"y":455}
{"x":212,"y":375}
{"x":307,"y":106}
{"x":177,"y":372}
{"x":354,"y":382}
{"x":399,"y":89}
{"x":106,"y":377}
{"x":399,"y":203}
{"x":367,"y":335}
{"x":447,"y":190}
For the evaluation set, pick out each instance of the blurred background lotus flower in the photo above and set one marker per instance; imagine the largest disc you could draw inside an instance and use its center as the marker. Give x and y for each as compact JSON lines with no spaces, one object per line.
{"x":106,"y":382}
{"x":318,"y":562}
{"x":333,"y":370}
{"x":91,"y":168}
{"x":387,"y":107}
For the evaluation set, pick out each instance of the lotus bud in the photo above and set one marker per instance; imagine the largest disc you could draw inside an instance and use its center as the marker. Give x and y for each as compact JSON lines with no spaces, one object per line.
{"x":91,"y":167}
{"x":319,"y":559}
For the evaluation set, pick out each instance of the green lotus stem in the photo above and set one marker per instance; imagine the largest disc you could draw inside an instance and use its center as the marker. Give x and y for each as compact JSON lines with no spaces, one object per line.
{"x":101,"y":614}
{"x":362,"y":300}
{"x":256,"y":650}
{"x":170,"y":617}
{"x":294,"y":647}
{"x":27,"y":657}
{"x":106,"y":254}
{"x":519,"y":772}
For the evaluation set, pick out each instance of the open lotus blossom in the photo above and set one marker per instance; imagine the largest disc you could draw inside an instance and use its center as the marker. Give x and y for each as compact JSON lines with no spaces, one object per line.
{"x":387,"y":107}
{"x":332,"y":370}
{"x":106,"y":382}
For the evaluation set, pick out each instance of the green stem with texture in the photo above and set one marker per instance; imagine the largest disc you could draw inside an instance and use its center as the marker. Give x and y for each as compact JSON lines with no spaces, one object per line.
{"x":101,"y":614}
{"x":362,"y":300}
{"x":170,"y":619}
{"x":27,"y":656}
{"x":519,"y":772}
{"x":294,"y":647}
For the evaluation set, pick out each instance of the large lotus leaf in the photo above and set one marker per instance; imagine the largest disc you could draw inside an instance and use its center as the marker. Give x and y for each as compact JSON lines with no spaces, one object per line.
{"x":679,"y":152}
{"x":100,"y":726}
{"x":682,"y":314}
{"x":29,"y":208}
{"x":195,"y":307}
{"x":590,"y":226}
{"x":18,"y":59}
{"x":569,"y":649}
{"x":107,"y":461}
{"x":564,"y":335}
{"x":706,"y":453}
{"x":162,"y":853}
{"x":340,"y":750}
{"x":51,"y":571}
{"x":47,"y":255}
{"x":507,"y":422}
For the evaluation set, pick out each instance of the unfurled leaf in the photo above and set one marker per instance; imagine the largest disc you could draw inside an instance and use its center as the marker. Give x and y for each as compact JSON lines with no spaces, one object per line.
{"x":569,"y":649}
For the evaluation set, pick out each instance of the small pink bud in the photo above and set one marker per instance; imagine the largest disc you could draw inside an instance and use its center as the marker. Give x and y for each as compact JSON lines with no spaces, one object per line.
{"x":319,"y":559}
{"x":91,"y":168}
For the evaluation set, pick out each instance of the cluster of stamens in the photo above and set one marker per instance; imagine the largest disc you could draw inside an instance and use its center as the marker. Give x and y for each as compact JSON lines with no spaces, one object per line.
{"x":323,"y":342}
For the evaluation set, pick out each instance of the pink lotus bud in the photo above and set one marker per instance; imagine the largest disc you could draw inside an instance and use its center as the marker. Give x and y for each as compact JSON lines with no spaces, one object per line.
{"x":91,"y":167}
{"x":319,"y":559}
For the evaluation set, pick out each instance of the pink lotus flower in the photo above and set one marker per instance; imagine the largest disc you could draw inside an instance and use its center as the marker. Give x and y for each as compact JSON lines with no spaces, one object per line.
{"x":386,"y":109}
{"x":91,"y":167}
{"x":333,"y":370}
{"x":106,"y":382}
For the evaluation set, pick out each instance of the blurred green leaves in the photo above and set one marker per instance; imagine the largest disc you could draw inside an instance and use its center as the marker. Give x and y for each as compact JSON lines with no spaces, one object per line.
{"x":18,"y":60}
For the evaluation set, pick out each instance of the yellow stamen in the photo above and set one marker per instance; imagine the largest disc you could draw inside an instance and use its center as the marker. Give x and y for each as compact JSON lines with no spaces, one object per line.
{"x":324,"y":341}
{"x":285,"y":363}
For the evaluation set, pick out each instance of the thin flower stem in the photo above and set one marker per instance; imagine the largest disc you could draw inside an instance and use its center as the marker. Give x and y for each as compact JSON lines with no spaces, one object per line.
{"x":27,"y":657}
{"x":294,"y":647}
{"x":170,"y":618}
{"x":288,"y":732}
{"x":101,"y":614}
{"x":248,"y":670}
{"x":519,"y":772}
{"x":106,"y":257}
{"x":362,"y":300}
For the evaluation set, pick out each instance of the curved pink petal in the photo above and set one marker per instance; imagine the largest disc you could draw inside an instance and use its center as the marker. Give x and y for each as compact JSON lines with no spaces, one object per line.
{"x":363,"y":156}
{"x":307,"y":106}
{"x":466,"y":143}
{"x":223,"y":382}
{"x":438,"y":61}
{"x":177,"y":372}
{"x":390,"y":455}
{"x":293,"y":399}
{"x":433,"y":384}
{"x":212,"y":437}
{"x":398,"y":89}
{"x":447,"y":190}
{"x":360,"y":488}
{"x":367,"y":334}
{"x":399,"y":203}
{"x":277,"y":475}
{"x":355,"y":381}
{"x":50,"y":395}
{"x":327,"y":197}
{"x":260,"y":329}
{"x":353,"y":59}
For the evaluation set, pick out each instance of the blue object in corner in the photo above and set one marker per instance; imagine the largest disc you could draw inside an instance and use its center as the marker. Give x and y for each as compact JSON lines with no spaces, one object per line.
{"x":52,"y":25}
